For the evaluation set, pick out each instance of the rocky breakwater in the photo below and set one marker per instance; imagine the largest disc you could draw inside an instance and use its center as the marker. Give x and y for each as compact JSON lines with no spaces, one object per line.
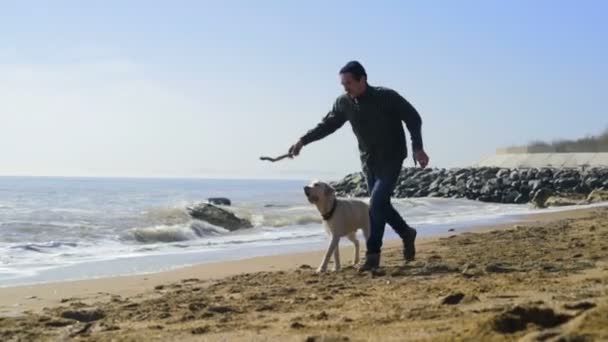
{"x":491,"y":184}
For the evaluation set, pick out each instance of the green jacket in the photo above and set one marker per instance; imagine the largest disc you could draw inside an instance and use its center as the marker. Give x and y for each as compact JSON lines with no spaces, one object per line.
{"x":376,"y":119}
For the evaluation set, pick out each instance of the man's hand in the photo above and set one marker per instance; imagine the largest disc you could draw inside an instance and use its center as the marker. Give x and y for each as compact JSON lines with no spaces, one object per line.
{"x":294,"y":150}
{"x":421,"y":157}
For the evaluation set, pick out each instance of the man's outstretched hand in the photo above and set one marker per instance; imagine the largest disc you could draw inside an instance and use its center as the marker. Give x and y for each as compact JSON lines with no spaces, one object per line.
{"x":422,"y":158}
{"x":294,"y":150}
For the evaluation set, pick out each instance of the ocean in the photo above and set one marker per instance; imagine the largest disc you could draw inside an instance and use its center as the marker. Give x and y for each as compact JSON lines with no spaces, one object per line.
{"x":54,"y":229}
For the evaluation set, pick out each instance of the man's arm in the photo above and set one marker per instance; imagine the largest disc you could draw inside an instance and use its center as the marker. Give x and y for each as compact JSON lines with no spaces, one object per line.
{"x":412,"y":120}
{"x":330,"y":123}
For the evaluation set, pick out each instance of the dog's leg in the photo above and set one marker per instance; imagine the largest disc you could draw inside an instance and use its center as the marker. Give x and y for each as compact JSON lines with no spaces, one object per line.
{"x":337,"y":258}
{"x":353,"y":237}
{"x":330,"y":250}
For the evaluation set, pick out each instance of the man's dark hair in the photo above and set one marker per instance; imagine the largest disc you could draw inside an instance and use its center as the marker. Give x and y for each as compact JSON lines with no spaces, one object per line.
{"x":355,"y":68}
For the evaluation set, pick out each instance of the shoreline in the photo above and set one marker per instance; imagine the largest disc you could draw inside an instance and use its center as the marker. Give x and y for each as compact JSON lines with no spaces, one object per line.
{"x":145,"y":264}
{"x":20,"y":298}
{"x":544,"y":276}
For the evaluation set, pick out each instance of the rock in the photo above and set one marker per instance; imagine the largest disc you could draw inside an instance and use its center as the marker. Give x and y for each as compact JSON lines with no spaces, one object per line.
{"x":521,"y":199}
{"x":487,"y":184}
{"x":597,"y":196}
{"x":535,"y":184}
{"x":218,"y":216}
{"x":510,"y":196}
{"x":487,"y":189}
{"x":593,"y":182}
{"x":540,"y":197}
{"x":503,"y":173}
{"x":566,"y":183}
{"x":219,"y":201}
{"x":84,"y":315}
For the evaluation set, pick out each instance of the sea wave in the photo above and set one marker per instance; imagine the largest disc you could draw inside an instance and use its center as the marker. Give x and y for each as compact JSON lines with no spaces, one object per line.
{"x":173,"y":233}
{"x":168,"y":215}
{"x":44,"y":247}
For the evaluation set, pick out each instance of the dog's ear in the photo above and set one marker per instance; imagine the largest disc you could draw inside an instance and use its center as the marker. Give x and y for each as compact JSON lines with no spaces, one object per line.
{"x":329,"y":190}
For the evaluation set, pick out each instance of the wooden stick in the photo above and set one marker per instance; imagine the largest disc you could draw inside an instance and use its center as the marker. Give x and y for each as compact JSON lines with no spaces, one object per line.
{"x":270,"y":159}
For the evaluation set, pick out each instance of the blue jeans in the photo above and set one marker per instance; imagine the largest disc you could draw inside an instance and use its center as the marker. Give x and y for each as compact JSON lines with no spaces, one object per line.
{"x":381,"y":182}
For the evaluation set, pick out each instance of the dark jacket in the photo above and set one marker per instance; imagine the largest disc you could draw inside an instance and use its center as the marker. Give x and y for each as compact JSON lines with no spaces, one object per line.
{"x":376,"y":119}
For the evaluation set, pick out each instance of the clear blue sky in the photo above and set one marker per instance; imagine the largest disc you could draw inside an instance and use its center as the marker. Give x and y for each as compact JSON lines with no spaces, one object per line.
{"x":202,"y":88}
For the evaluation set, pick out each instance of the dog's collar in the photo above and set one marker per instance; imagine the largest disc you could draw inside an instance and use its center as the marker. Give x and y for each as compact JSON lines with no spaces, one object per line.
{"x":327,"y":217}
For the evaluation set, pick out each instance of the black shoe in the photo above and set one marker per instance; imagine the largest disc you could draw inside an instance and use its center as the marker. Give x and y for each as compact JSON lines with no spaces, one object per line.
{"x":409,"y":245}
{"x":372,"y":262}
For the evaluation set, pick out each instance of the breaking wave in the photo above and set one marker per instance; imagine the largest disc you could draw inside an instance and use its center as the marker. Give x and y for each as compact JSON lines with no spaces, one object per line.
{"x":174,"y":233}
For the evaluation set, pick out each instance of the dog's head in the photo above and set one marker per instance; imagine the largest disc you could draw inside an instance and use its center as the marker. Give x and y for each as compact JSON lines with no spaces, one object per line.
{"x":319,"y":193}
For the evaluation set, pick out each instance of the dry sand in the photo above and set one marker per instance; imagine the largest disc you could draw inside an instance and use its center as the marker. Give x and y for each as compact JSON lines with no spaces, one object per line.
{"x":544,"y":280}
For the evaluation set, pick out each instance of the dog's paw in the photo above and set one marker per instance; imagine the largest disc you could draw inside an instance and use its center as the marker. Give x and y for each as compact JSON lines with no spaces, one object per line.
{"x":336,"y":269}
{"x":321,"y":270}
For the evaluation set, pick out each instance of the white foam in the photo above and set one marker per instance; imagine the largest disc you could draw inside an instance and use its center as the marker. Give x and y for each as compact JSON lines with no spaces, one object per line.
{"x":173,"y":233}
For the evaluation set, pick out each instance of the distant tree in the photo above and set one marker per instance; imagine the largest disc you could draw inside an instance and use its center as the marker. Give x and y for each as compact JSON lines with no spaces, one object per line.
{"x":590,"y":143}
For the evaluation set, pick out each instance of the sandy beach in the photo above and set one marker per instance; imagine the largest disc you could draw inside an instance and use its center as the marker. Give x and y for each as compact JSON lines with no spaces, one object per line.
{"x":542,"y":279}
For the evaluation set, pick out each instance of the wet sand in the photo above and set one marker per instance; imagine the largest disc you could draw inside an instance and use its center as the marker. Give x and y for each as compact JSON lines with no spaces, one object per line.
{"x":545,"y":279}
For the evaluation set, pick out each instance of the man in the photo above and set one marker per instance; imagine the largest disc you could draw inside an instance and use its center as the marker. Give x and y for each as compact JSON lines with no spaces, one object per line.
{"x":376,"y":116}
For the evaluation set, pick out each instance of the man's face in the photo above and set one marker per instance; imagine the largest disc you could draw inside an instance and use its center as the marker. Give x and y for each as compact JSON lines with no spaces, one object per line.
{"x":353,"y":87}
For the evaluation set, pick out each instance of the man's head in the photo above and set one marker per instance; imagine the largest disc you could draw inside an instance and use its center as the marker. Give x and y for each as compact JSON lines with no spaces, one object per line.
{"x":354,"y":78}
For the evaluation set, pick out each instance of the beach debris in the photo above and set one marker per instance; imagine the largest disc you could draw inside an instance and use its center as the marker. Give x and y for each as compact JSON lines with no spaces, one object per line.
{"x":297,"y":325}
{"x":519,"y":317}
{"x":221,"y":309}
{"x":597,"y":196}
{"x":84,"y":330}
{"x":499,"y":268}
{"x":435,"y":268}
{"x":579,"y":306}
{"x":327,"y":339}
{"x":197,"y":306}
{"x":200,"y":330}
{"x":59,"y":323}
{"x":322,"y":316}
{"x":84,"y":315}
{"x":190,"y":280}
{"x":561,"y":200}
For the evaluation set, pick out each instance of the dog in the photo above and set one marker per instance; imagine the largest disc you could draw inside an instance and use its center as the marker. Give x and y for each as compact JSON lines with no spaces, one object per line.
{"x":341,"y":217}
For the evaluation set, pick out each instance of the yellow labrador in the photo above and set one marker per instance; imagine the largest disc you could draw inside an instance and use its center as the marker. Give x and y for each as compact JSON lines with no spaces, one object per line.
{"x":341,"y":217}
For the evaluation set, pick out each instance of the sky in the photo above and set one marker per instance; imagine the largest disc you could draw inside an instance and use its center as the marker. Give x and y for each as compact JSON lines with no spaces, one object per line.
{"x":203,"y":88}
